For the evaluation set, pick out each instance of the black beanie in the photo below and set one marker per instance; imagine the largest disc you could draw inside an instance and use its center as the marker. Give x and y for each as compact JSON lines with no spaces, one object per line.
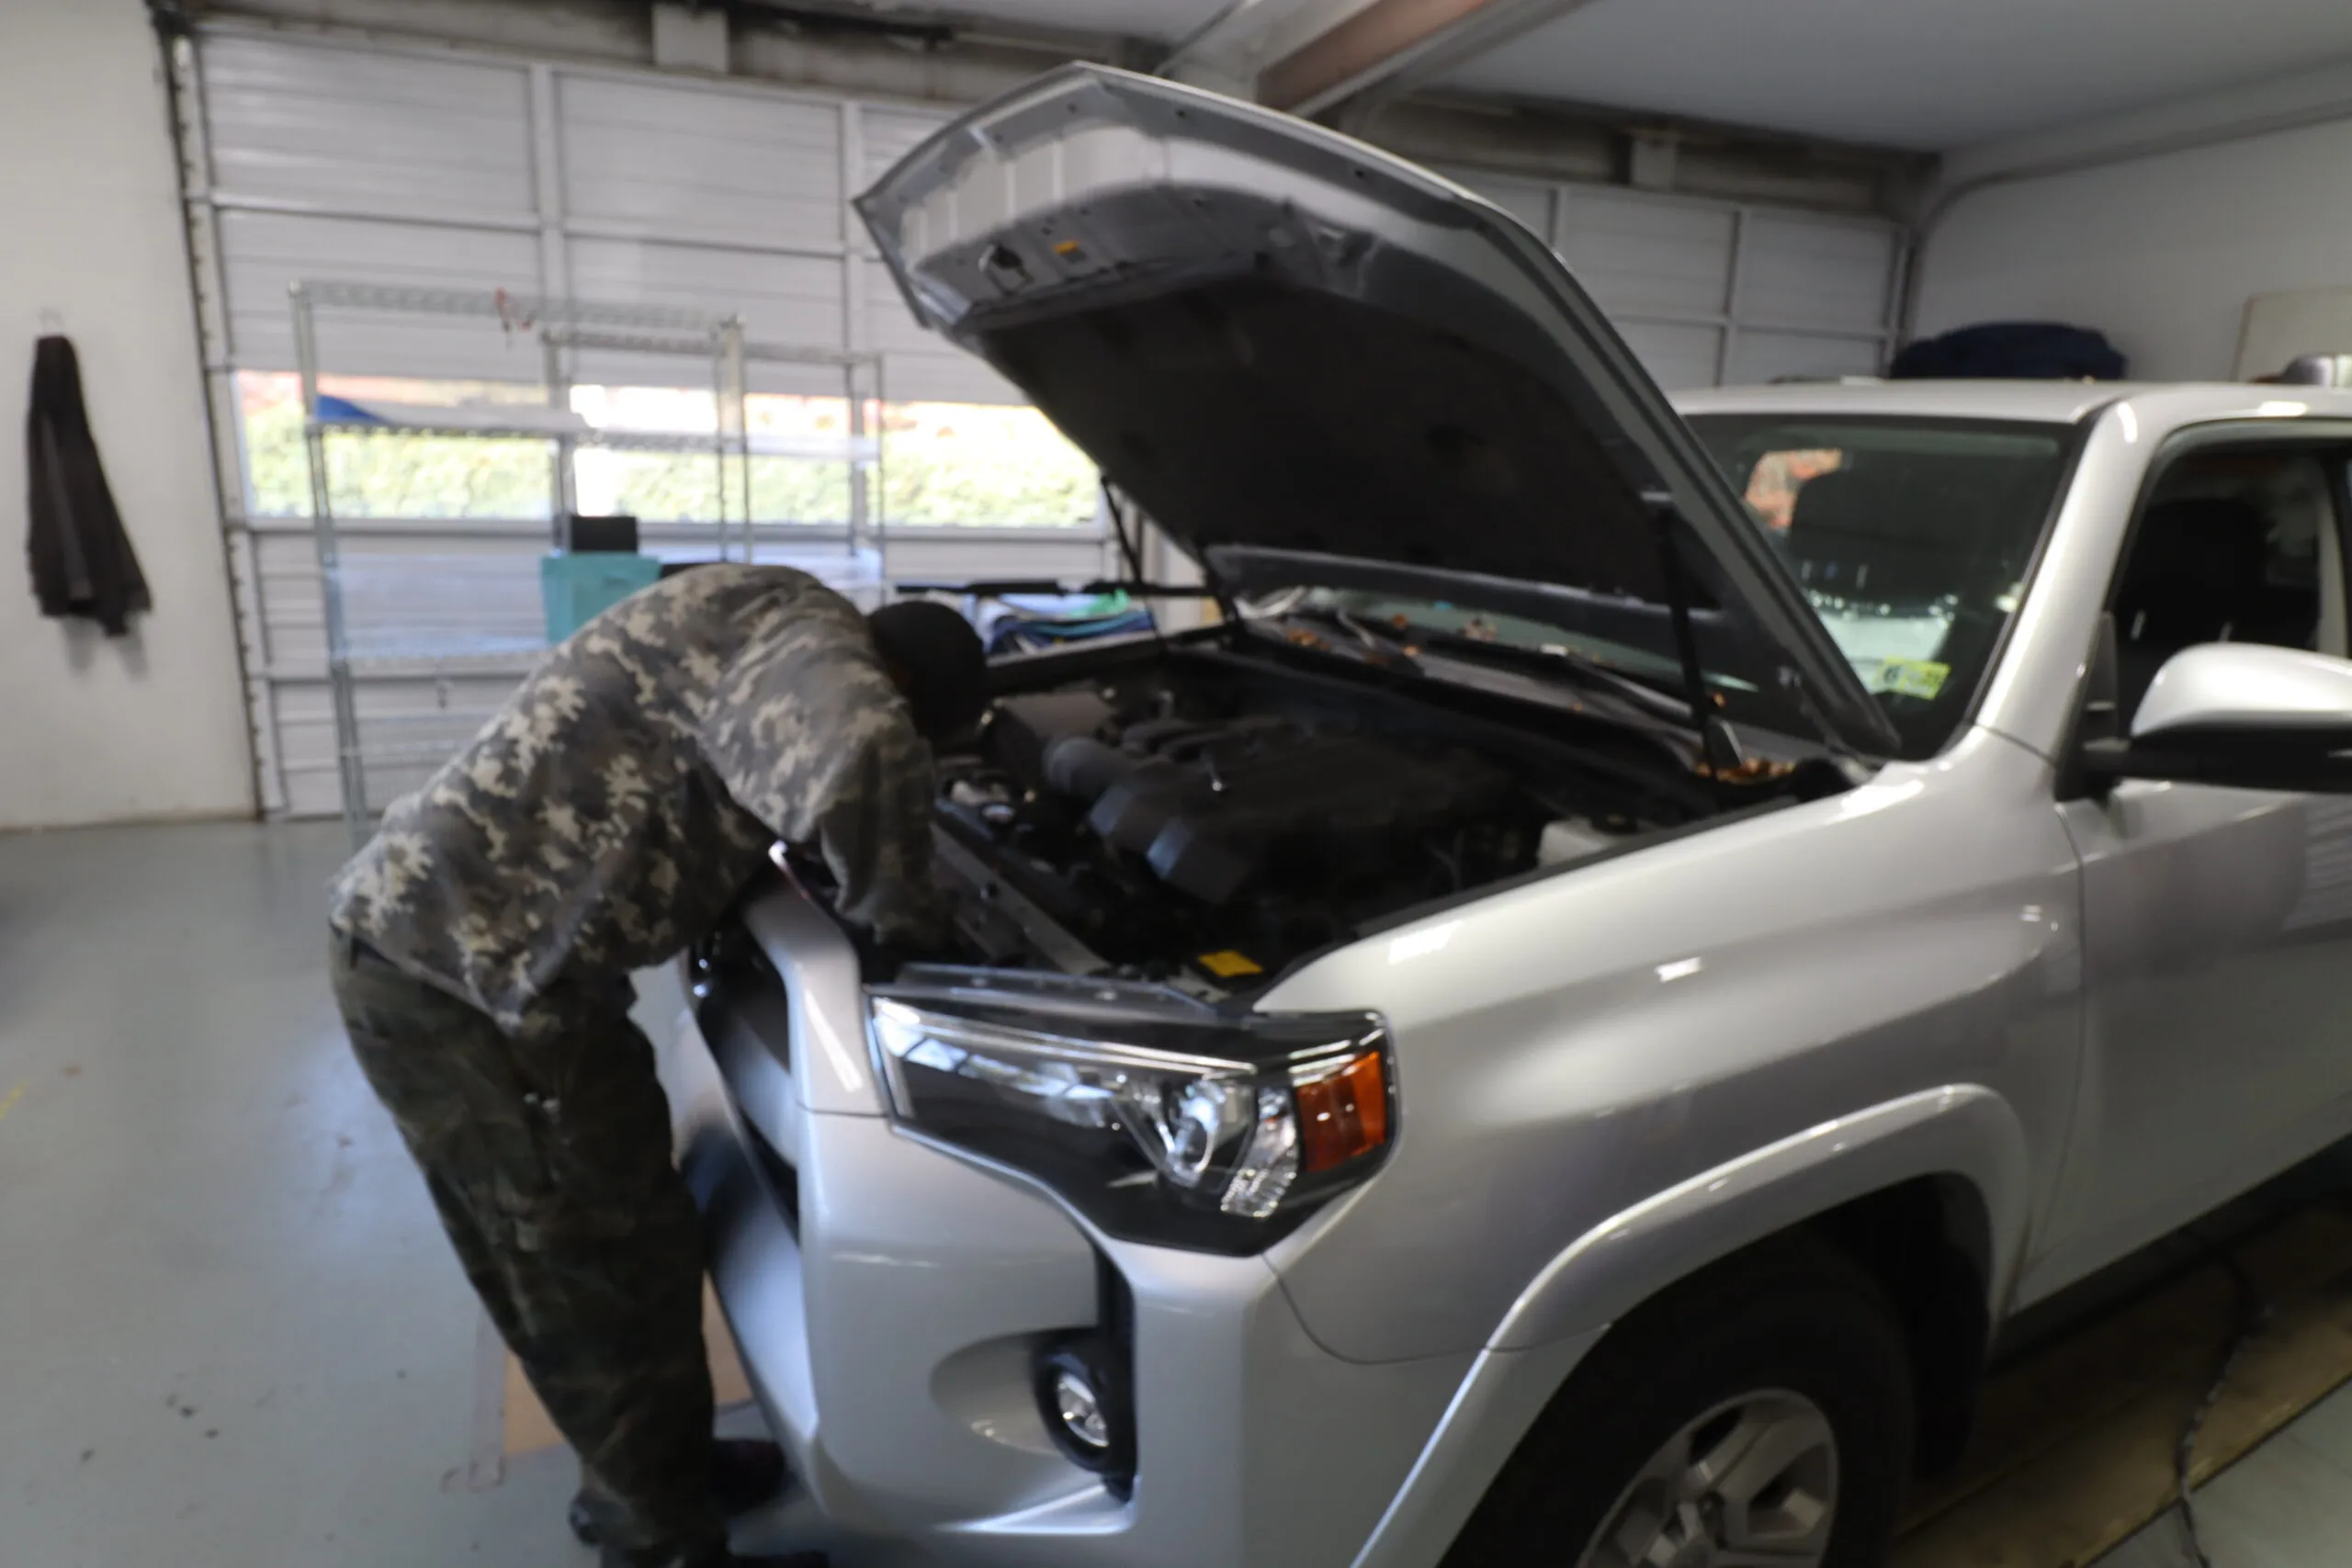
{"x":936,"y":657}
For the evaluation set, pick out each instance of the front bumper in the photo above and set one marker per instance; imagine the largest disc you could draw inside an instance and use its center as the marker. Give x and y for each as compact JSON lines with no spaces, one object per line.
{"x":889,"y":1299}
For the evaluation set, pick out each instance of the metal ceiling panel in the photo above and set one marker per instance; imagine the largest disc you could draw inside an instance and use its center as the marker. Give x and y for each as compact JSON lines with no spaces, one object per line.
{"x":1929,"y":75}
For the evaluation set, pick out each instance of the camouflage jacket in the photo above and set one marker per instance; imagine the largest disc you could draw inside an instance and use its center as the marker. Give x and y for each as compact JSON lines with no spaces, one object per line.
{"x":616,"y":806}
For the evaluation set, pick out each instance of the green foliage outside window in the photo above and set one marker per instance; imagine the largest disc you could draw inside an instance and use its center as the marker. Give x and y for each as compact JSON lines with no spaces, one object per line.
{"x":684,"y":487}
{"x":943,"y":465}
{"x":946,"y":463}
{"x":392,"y":475}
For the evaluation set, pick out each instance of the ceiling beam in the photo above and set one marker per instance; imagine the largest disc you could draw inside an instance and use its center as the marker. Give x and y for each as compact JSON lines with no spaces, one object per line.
{"x":1310,"y":57}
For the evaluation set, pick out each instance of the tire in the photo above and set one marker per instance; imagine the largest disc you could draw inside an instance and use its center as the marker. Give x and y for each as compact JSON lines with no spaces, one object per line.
{"x":1790,"y":1348}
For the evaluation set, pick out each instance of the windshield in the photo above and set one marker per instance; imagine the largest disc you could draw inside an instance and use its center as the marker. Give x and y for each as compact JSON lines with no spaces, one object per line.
{"x":1535,"y":637}
{"x":1912,"y":537}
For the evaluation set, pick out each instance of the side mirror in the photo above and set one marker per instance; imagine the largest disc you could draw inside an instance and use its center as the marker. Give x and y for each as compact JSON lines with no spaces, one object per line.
{"x":2240,"y":714}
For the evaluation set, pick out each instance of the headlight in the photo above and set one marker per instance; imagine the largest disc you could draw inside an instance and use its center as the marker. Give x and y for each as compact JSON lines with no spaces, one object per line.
{"x":1159,"y":1118}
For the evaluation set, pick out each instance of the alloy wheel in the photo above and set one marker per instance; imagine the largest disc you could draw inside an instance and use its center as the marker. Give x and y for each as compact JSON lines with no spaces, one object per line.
{"x":1752,"y":1483}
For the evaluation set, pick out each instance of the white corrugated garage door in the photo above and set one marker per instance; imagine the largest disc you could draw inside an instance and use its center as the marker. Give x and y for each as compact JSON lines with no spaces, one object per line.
{"x":322,"y":158}
{"x":331,"y":158}
{"x":1710,"y":293}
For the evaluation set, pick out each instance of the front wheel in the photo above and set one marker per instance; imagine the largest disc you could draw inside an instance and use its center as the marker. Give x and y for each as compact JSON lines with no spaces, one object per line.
{"x":1758,"y":1416}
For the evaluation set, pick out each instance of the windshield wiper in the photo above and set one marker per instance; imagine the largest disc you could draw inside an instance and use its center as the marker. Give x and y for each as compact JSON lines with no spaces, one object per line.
{"x":1386,"y":649}
{"x":1386,"y":643}
{"x":998,"y":587}
{"x":1559,"y":658}
{"x":1412,"y":638}
{"x":1406,"y":647}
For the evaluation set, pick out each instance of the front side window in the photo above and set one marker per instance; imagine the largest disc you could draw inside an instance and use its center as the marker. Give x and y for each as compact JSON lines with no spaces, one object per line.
{"x":2231,"y":544}
{"x":1912,"y":539}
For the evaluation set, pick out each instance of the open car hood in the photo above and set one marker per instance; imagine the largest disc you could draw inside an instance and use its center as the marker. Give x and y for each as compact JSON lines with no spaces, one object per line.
{"x":1288,"y":347}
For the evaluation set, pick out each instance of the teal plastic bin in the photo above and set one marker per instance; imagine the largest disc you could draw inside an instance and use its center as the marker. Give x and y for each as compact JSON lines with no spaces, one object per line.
{"x":576,"y":589}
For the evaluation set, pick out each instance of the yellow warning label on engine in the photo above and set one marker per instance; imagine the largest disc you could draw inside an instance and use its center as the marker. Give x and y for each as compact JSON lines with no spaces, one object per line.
{"x":1229,"y":965}
{"x":1921,"y":678}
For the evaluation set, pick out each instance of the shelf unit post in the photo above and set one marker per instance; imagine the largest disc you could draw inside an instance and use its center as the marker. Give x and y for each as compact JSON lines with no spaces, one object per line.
{"x":566,"y":329}
{"x":342,"y":695}
{"x":564,"y":490}
{"x":733,"y":426}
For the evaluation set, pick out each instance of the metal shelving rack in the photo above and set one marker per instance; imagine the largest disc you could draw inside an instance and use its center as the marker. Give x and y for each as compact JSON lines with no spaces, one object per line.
{"x":450,"y":641}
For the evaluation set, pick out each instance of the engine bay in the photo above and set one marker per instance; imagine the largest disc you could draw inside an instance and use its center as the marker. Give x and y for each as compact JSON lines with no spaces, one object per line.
{"x":1201,"y":820}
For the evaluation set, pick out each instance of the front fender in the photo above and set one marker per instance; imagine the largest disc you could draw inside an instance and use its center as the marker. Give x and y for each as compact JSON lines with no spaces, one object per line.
{"x":1960,"y":1130}
{"x":1963,"y":1130}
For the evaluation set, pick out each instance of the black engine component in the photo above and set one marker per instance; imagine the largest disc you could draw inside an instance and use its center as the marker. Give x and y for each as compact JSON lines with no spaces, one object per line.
{"x":1024,"y":727}
{"x":1196,"y":826}
{"x":1221,"y":807}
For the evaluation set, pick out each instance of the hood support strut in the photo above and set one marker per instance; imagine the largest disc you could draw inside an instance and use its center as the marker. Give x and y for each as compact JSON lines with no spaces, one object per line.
{"x":1130,"y":547}
{"x":1719,"y":746}
{"x":1127,"y":527}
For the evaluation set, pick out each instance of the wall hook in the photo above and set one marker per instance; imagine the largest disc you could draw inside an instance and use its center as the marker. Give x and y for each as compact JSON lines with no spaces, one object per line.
{"x":52,"y":321}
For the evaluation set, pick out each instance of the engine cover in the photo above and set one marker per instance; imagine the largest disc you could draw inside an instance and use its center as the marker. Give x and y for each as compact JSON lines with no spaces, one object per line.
{"x":1218,"y":808}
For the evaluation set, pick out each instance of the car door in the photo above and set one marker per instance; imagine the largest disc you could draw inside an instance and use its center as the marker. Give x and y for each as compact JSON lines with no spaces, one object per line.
{"x":2217,"y":922}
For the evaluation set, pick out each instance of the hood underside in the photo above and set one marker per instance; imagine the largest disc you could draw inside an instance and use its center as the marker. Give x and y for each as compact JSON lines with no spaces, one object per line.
{"x":1254,"y":409}
{"x":1274,"y":338}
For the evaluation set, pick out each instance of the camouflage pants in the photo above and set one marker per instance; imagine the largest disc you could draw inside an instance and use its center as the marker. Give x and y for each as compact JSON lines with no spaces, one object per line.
{"x":548,"y":1157}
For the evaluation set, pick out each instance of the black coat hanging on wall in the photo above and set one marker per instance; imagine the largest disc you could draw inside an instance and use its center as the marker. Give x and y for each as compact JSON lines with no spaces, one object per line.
{"x":82,"y":561}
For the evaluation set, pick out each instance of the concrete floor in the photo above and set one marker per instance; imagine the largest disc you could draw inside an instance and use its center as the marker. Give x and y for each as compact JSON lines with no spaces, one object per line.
{"x":2286,"y":1505}
{"x":234,"y":1336}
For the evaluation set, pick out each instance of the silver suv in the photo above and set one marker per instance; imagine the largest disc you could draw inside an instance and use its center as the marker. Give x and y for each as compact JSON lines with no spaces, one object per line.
{"x":1561,"y":1023}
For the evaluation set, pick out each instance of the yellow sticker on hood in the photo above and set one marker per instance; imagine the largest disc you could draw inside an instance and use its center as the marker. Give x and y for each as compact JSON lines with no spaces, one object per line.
{"x":1229,"y":965}
{"x":1921,"y":678}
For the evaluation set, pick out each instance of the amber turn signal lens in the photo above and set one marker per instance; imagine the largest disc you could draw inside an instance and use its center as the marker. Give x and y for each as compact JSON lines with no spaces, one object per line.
{"x":1343,"y":1114}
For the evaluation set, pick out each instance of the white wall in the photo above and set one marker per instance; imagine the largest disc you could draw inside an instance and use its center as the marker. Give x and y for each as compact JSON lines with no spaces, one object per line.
{"x":152,"y":725}
{"x":2161,"y":251}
